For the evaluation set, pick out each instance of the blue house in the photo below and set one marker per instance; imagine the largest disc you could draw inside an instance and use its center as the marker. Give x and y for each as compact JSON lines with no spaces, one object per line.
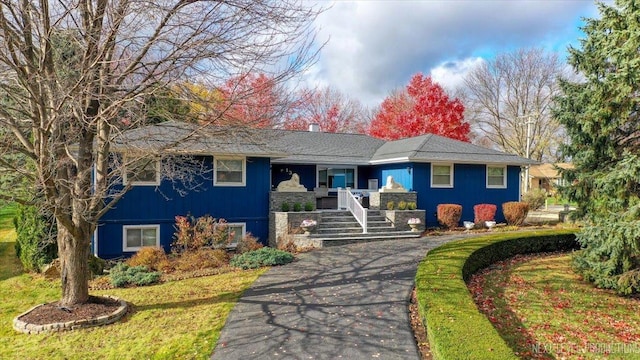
{"x":211,"y":171}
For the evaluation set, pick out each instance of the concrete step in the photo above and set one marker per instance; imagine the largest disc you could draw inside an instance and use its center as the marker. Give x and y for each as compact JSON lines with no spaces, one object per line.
{"x":363,"y":238}
{"x":352,"y":230}
{"x":353,"y":223}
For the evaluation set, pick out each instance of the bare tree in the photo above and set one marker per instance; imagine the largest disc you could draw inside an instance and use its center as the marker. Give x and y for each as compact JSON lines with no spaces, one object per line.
{"x":509,"y":101}
{"x":63,"y":112}
{"x":328,"y":108}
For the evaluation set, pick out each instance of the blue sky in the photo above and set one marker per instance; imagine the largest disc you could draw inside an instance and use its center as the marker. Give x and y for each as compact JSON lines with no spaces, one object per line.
{"x":375,"y":47}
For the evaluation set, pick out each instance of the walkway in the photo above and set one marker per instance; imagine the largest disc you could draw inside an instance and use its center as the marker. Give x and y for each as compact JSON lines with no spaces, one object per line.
{"x":348,"y":302}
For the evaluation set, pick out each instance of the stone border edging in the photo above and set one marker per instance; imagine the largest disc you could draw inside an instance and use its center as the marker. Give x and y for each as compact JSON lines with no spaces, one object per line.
{"x":29,"y":328}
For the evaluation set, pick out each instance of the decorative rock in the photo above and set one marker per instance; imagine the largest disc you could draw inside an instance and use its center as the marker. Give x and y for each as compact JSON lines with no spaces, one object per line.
{"x":392,"y":186}
{"x":291,"y":185}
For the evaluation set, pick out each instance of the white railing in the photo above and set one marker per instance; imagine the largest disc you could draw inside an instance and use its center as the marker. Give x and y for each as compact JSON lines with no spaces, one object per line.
{"x":346,"y":201}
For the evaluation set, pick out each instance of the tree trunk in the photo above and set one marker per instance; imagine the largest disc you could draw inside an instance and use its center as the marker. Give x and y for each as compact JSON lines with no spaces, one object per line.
{"x":74,"y":255}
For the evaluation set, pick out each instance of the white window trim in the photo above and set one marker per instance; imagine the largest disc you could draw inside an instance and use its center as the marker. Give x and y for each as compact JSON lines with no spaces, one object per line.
{"x":443,"y":186}
{"x":504,"y":177}
{"x":144,"y":183}
{"x":215,"y":171}
{"x":338,"y":166}
{"x":137,"y":248}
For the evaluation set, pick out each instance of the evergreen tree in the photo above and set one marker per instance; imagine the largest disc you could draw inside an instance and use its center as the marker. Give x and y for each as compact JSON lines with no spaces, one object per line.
{"x":600,"y":114}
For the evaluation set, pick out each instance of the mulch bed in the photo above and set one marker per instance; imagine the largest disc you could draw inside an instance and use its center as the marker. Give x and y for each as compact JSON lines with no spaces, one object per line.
{"x":54,"y":313}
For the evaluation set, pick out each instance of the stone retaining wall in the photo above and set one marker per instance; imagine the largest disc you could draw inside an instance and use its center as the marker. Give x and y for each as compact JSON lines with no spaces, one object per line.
{"x":379,"y":200}
{"x":277,"y":198}
{"x":283,"y":224}
{"x":399,"y":218}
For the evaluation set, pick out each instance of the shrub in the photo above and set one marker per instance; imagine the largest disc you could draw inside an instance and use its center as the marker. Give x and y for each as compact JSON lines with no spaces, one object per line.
{"x":35,"y":237}
{"x":297,"y":207}
{"x":390,"y":205}
{"x":484,"y":212}
{"x":308,"y":206}
{"x":201,"y":259}
{"x":535,"y":198}
{"x":154,"y":258}
{"x":412,"y":205}
{"x":262,"y":257}
{"x":515,"y":212}
{"x":96,"y":265}
{"x":122,"y":275}
{"x":285,"y":207}
{"x":248,"y":243}
{"x":449,"y":215}
{"x":192,"y":234}
{"x":402,"y":205}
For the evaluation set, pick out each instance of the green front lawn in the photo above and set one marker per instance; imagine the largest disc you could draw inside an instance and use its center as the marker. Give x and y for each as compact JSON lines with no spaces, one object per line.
{"x":174,"y":320}
{"x":543,"y":310}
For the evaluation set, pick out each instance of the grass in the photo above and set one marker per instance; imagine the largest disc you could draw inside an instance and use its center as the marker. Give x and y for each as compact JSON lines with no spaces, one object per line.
{"x":179,"y":319}
{"x":455,"y":326}
{"x":544,"y":311}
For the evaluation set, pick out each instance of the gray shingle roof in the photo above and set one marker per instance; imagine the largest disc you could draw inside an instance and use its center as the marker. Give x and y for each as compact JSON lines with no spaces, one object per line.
{"x":319,"y":147}
{"x":185,"y":138}
{"x":434,"y":148}
{"x":286,"y":146}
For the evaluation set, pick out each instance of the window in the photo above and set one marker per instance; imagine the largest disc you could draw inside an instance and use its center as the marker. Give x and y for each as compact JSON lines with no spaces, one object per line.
{"x":235,"y":231}
{"x":142,"y":172}
{"x":229,"y":171}
{"x":497,"y":177}
{"x":441,"y":176}
{"x":334,"y":178}
{"x":135,"y":237}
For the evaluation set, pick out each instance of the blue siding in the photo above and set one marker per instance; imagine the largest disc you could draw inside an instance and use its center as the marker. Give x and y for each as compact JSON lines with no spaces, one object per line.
{"x":281,"y":172}
{"x":151,"y":205}
{"x":364,"y":174}
{"x":308,"y":175}
{"x":469,"y":189}
{"x":402,"y":173}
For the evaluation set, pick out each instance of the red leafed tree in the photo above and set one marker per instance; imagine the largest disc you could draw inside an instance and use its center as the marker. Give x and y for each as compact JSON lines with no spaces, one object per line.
{"x":330,"y":110}
{"x":253,"y":100}
{"x":422,"y":108}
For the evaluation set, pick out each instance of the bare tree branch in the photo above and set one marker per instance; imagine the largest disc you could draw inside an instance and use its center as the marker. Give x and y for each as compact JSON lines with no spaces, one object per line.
{"x":504,"y":94}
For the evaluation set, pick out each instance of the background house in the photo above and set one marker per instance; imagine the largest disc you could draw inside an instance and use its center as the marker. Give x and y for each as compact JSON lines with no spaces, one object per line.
{"x":547,"y":176}
{"x":238,"y":170}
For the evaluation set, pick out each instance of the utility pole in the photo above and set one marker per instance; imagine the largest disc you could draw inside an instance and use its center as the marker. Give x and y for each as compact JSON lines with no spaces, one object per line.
{"x":529,"y":122}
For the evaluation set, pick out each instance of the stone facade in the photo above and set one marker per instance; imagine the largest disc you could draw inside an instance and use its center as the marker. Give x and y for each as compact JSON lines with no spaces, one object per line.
{"x":276,"y":199}
{"x":284,"y":224}
{"x":399,"y":218}
{"x":379,"y":200}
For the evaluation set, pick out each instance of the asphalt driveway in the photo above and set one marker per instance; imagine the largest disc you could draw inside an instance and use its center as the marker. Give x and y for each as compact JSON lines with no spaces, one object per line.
{"x":348,"y":302}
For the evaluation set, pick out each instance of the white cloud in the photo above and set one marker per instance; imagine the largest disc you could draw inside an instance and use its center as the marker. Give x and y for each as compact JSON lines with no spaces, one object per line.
{"x":450,"y":75}
{"x":376,"y":46}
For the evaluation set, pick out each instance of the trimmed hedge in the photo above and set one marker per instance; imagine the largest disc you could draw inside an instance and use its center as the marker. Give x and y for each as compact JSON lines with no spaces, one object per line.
{"x":455,"y":326}
{"x":484,"y":212}
{"x":515,"y":212}
{"x":449,"y":215}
